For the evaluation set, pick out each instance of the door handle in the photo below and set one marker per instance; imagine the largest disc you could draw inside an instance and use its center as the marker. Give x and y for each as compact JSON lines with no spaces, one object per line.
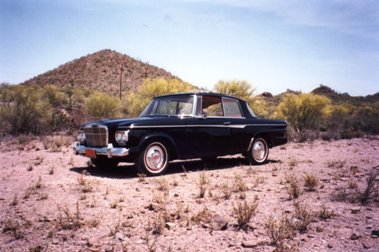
{"x":227,"y":123}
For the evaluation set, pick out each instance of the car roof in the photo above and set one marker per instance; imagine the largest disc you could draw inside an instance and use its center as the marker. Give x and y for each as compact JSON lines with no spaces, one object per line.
{"x":199,"y":93}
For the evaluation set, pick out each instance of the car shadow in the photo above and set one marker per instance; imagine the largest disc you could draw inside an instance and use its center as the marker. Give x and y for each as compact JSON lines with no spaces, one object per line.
{"x":127,"y":170}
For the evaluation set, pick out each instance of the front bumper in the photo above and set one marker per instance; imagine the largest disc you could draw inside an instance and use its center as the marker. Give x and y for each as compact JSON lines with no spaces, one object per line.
{"x":108,"y":151}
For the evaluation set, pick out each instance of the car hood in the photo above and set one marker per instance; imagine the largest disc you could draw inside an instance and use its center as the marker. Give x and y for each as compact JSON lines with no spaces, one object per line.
{"x":127,"y":122}
{"x":111,"y":123}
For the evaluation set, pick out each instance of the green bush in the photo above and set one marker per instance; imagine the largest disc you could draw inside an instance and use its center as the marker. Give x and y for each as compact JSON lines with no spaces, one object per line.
{"x":23,"y":110}
{"x":100,"y":105}
{"x":303,"y":111}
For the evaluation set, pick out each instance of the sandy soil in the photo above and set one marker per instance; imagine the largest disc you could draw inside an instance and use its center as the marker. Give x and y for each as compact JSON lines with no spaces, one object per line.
{"x":53,"y":201}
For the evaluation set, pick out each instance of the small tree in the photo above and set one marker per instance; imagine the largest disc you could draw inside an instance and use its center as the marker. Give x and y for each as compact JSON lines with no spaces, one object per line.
{"x":303,"y":111}
{"x":137,"y":101}
{"x":100,"y":105}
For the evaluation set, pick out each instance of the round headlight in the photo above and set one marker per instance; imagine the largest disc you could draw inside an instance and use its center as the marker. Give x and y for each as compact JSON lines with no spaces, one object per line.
{"x":121,"y":136}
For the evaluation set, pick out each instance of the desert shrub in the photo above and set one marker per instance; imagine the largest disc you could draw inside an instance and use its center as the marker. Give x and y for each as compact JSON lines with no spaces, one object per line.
{"x":366,"y":119}
{"x":54,"y":96}
{"x":302,"y":111}
{"x":100,"y":105}
{"x":23,"y":110}
{"x":237,"y":88}
{"x":325,"y":213}
{"x":372,"y":188}
{"x":302,"y":218}
{"x":279,"y":231}
{"x":293,"y":187}
{"x":244,"y":211}
{"x":137,"y":101}
{"x":311,"y":182}
{"x":337,"y":119}
{"x":262,"y":108}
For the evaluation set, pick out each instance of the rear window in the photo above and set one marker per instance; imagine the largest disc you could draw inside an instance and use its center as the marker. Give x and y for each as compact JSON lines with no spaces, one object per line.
{"x":231,"y":108}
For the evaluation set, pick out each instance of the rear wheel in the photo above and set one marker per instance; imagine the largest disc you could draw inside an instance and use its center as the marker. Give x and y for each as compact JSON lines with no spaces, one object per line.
{"x":153,"y":160}
{"x":104,"y":163}
{"x":258,"y":152}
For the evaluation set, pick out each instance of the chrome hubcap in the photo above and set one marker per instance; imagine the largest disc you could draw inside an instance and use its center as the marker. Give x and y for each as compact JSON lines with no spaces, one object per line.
{"x":155,"y":158}
{"x":259,"y":151}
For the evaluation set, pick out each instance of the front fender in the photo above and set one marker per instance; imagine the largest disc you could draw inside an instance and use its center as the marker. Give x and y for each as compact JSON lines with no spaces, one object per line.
{"x":157,"y":136}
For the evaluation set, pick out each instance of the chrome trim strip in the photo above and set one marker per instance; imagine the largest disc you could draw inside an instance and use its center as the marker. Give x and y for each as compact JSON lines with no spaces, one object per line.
{"x":237,"y":126}
{"x":108,"y":151}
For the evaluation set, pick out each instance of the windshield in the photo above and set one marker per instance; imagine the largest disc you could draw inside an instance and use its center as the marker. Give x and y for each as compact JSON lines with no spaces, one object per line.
{"x":169,"y":106}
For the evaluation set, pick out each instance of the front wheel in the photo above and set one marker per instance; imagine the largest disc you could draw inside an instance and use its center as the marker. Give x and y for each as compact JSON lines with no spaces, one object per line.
{"x":153,"y":160}
{"x":258,"y":152}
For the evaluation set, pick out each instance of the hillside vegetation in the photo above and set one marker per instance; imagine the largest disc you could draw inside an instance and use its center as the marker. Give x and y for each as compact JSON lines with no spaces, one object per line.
{"x":89,"y":89}
{"x":102,"y":71}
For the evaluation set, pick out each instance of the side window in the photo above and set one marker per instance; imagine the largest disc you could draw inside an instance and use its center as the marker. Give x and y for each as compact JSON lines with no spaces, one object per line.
{"x":212,"y":106}
{"x":231,"y":108}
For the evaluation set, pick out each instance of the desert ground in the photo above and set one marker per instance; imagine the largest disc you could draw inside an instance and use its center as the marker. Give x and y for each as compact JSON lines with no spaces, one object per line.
{"x":313,"y":196}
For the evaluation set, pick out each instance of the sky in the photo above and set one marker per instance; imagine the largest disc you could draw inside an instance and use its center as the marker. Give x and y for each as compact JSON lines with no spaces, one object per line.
{"x":275,"y":45}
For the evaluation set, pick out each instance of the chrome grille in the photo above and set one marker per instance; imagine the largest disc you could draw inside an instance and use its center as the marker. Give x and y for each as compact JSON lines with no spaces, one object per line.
{"x":96,"y":135}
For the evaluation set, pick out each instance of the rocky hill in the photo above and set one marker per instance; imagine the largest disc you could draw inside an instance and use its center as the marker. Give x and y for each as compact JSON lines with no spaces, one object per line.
{"x":344,"y":97}
{"x":103,"y":71}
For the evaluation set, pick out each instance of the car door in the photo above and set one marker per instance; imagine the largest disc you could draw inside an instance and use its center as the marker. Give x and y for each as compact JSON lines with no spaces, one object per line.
{"x":236,"y":123}
{"x":208,"y":134}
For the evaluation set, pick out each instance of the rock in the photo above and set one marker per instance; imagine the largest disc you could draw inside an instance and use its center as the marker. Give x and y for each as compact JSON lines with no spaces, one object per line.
{"x":355,"y":236}
{"x":365,"y":245}
{"x":355,"y":210}
{"x":152,"y":207}
{"x":375,"y":233}
{"x":120,"y":236}
{"x":330,"y":246}
{"x":169,"y":225}
{"x":250,"y":244}
{"x":311,"y":236}
{"x":219,"y":223}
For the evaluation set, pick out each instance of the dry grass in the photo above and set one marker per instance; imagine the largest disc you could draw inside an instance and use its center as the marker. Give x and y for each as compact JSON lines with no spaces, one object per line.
{"x":14,"y":227}
{"x":292,"y":163}
{"x":226,"y":191}
{"x":85,"y":185}
{"x":279,"y":231}
{"x":325,"y":213}
{"x":203,"y":216}
{"x":55,"y":143}
{"x":311,"y":182}
{"x":372,"y":188}
{"x":293,"y":188}
{"x":163,"y":185}
{"x":239,"y":184}
{"x":302,"y":217}
{"x":203,"y":184}
{"x":244,"y":211}
{"x":68,"y":219}
{"x":336,"y":163}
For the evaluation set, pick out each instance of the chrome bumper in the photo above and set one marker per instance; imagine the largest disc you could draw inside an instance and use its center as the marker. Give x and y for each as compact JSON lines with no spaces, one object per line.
{"x":108,"y":151}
